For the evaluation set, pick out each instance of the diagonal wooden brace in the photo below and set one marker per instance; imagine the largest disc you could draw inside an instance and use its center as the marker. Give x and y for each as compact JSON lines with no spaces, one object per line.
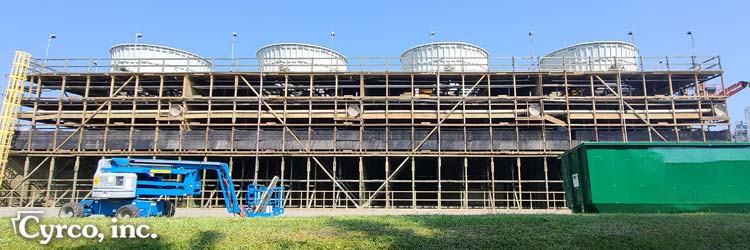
{"x":631,"y":108}
{"x":99,"y":109}
{"x":294,"y":136}
{"x":414,"y":150}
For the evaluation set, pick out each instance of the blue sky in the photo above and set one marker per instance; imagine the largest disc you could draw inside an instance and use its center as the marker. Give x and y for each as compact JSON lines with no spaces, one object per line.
{"x":382,"y":28}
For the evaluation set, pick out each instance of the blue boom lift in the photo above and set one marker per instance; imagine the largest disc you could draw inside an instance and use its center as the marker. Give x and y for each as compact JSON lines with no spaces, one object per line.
{"x":135,"y":187}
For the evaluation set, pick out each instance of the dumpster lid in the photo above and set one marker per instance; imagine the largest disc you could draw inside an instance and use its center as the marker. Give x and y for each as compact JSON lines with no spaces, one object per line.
{"x":625,"y":145}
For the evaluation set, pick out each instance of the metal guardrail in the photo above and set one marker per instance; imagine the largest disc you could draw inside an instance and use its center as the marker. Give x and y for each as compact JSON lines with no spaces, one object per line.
{"x":378,"y":64}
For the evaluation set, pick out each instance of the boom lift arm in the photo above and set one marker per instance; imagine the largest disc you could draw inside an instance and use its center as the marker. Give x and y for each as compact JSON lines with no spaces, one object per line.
{"x":148,"y":166}
{"x":734,"y":88}
{"x":126,"y":187}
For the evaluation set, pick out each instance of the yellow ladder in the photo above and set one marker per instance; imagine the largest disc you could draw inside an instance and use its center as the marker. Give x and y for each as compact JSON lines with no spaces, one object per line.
{"x":12,"y":105}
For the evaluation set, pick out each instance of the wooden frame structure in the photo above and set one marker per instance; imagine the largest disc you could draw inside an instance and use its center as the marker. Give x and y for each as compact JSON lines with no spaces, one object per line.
{"x":353,"y":139}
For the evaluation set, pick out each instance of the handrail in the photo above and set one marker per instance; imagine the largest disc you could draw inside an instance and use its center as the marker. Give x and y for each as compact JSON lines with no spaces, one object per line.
{"x":376,"y":64}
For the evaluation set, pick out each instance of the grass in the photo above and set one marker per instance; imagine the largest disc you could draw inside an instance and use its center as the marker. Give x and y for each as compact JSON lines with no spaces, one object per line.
{"x":604,"y":231}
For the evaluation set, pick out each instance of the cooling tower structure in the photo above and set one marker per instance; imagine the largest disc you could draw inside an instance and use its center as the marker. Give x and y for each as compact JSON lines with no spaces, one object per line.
{"x":150,"y":58}
{"x":446,"y":131}
{"x":445,"y":56}
{"x":593,"y":56}
{"x":300,"y":57}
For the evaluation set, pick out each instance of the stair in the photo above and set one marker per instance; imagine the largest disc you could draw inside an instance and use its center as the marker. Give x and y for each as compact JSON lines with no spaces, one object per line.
{"x":11,"y":105}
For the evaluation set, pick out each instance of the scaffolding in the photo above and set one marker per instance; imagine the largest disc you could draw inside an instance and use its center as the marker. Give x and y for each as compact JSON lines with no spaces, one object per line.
{"x":372,"y":137}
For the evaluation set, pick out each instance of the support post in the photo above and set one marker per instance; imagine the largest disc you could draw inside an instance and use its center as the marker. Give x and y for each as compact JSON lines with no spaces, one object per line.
{"x":76,"y":167}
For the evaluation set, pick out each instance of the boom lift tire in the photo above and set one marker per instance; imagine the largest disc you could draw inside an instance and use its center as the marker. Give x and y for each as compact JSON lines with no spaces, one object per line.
{"x":128,"y":211}
{"x":71,"y":210}
{"x":169,"y":208}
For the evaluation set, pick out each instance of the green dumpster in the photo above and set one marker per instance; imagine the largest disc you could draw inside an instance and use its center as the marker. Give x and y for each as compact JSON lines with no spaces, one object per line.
{"x":657,"y":177}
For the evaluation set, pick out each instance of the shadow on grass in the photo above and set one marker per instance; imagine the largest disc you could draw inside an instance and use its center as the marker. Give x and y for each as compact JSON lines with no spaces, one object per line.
{"x":149,"y":243}
{"x":443,"y":232}
{"x":205,"y":240}
{"x":385,"y":234}
{"x":427,"y":232}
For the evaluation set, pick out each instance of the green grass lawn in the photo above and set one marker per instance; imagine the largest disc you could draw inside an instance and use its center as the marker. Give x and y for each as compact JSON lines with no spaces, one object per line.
{"x":603,"y":231}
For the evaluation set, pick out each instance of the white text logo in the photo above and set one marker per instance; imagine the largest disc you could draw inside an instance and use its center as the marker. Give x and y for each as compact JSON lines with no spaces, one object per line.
{"x":27,"y":224}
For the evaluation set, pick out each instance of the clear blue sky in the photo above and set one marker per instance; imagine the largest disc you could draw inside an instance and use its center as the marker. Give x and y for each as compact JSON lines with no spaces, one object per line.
{"x":382,"y":28}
